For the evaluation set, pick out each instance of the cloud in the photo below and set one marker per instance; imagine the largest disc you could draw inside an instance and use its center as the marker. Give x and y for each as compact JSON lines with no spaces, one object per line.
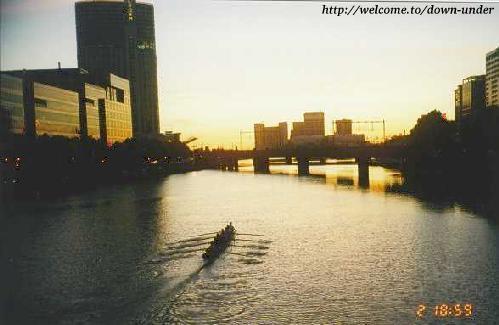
{"x":23,"y":6}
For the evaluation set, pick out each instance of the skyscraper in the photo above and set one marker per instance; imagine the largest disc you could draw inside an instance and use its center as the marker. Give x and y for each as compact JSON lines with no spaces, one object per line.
{"x":492,"y":78}
{"x":458,"y":103}
{"x":118,"y":37}
{"x":470,"y":97}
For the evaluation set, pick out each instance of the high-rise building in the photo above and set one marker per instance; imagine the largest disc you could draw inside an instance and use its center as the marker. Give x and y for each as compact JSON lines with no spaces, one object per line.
{"x":344,"y":136}
{"x":11,"y":105}
{"x":458,"y":103}
{"x":118,"y":37}
{"x":470,"y":97}
{"x":314,"y":123}
{"x":492,"y":79}
{"x":311,"y":130}
{"x":343,"y":127}
{"x":272,"y":137}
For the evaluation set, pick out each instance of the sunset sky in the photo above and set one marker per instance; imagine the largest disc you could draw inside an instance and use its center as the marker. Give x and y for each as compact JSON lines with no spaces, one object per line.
{"x":224,"y":65}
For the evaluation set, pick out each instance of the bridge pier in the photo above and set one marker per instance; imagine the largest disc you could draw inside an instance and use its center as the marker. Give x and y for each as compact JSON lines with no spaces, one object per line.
{"x":323,"y":161}
{"x":303,"y":165}
{"x":363,"y":166}
{"x":261,"y":165}
{"x":232,"y":164}
{"x":222,"y":165}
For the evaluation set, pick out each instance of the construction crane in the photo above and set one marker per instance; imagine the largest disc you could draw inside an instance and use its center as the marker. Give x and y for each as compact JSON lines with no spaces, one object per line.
{"x":191,"y":139}
{"x":368,"y":122}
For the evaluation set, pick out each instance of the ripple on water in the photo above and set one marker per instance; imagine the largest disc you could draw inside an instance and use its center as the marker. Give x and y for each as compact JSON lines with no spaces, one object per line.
{"x":219,"y":298}
{"x":221,"y":292}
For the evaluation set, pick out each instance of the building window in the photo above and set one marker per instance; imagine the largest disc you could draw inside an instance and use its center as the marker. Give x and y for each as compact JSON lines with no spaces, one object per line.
{"x":90,"y":102}
{"x":41,"y":103}
{"x":120,"y":95}
{"x":142,"y":45}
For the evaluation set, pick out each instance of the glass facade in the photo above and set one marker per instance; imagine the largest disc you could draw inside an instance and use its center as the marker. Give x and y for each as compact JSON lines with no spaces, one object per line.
{"x":472,"y":95}
{"x":458,"y":102}
{"x":492,"y":78}
{"x":92,"y":96}
{"x":118,"y":37}
{"x":115,"y":111}
{"x":11,"y":104}
{"x":147,"y":88}
{"x":56,"y":111}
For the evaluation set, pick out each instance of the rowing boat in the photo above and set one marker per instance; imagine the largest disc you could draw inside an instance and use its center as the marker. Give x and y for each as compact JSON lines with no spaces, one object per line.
{"x":220,"y":243}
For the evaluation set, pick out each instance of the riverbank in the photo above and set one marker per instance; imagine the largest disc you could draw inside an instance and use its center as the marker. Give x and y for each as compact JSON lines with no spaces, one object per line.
{"x":15,"y":189}
{"x":50,"y":166}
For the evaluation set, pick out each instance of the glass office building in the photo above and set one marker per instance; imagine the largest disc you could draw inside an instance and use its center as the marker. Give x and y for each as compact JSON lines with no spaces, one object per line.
{"x":118,"y":37}
{"x":56,"y":111}
{"x":91,"y":101}
{"x":72,"y":102}
{"x":11,"y":104}
{"x":76,"y":80}
{"x":492,"y":78}
{"x":472,"y":95}
{"x":115,"y":111}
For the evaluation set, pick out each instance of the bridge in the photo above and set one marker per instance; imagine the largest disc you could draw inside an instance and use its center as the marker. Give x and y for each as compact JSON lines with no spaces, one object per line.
{"x":262,"y":159}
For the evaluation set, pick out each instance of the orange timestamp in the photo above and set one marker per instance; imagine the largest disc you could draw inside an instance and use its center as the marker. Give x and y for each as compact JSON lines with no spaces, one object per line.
{"x":454,"y":310}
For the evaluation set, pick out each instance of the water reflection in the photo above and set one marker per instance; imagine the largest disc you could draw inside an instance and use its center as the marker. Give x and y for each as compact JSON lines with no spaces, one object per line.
{"x":313,"y":249}
{"x":345,"y":181}
{"x":80,"y":254}
{"x":345,"y":174}
{"x":475,"y":195}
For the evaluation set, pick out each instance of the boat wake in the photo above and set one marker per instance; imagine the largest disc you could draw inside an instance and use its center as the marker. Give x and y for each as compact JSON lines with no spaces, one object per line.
{"x":175,"y":257}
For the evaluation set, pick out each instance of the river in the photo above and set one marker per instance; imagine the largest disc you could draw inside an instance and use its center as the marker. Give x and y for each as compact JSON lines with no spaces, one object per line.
{"x":316,"y":249}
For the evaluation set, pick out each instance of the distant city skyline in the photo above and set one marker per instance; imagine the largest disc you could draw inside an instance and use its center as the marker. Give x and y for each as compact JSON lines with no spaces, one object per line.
{"x":223,"y":66}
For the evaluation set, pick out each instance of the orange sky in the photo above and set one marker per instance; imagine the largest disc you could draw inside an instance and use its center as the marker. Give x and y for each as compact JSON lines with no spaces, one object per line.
{"x":224,"y":65}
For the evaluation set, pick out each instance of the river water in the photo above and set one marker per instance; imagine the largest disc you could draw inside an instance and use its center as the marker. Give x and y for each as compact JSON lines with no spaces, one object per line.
{"x":316,"y":249}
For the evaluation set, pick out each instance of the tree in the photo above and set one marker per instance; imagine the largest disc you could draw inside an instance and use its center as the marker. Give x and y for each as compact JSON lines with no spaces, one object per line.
{"x":432,"y":132}
{"x":432,"y":146}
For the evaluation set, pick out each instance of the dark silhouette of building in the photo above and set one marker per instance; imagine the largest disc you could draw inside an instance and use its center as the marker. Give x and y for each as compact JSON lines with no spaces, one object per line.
{"x":119,"y":38}
{"x":469,"y":97}
{"x":311,"y":130}
{"x":344,"y":127}
{"x":492,"y":78}
{"x":11,"y":105}
{"x":458,"y":100}
{"x":344,"y":136}
{"x":271,"y":137}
